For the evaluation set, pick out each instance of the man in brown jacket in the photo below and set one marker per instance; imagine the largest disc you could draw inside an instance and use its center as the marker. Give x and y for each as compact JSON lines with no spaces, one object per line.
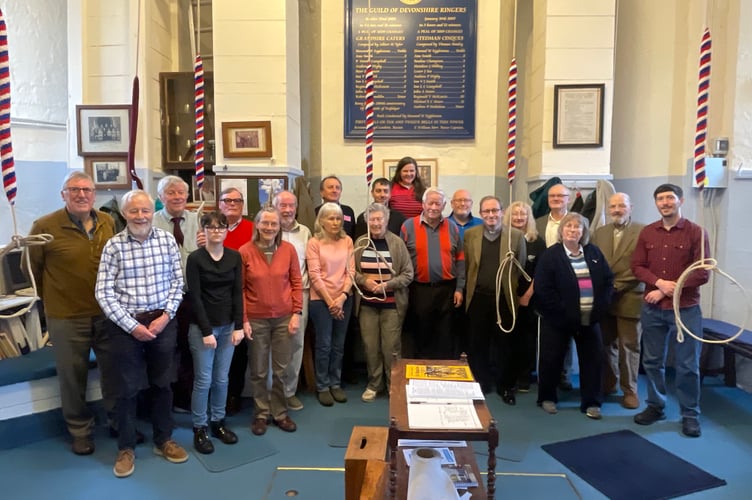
{"x":65,"y":271}
{"x":621,"y":335}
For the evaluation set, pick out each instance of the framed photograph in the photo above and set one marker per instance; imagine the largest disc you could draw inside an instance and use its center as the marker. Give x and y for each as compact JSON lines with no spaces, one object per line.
{"x":247,"y":139}
{"x":578,"y":115}
{"x":208,"y":190}
{"x":258,"y":191}
{"x":103,"y":130}
{"x":109,"y":173}
{"x":428,"y":170}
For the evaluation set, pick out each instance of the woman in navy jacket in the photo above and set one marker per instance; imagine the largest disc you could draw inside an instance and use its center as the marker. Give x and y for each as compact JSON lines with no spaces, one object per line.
{"x":573,"y":286}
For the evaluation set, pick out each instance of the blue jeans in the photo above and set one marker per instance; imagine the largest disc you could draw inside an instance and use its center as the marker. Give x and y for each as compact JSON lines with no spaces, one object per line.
{"x":210,"y":368}
{"x":330,"y":343}
{"x":135,"y":359}
{"x":658,"y":330}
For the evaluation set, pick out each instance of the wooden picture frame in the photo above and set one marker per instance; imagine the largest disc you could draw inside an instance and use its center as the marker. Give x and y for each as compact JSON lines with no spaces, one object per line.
{"x":247,"y":139}
{"x":428,"y":170}
{"x":103,"y":130}
{"x":208,"y":191}
{"x":109,"y":172}
{"x":578,"y":115}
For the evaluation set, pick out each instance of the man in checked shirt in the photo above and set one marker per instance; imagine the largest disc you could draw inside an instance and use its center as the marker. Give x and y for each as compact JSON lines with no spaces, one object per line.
{"x":139,"y":287}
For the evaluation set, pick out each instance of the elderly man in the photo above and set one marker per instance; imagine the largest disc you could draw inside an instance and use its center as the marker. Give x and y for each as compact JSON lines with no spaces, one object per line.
{"x":183,"y":225}
{"x":438,"y":261}
{"x":381,"y":192}
{"x":330,"y":189}
{"x":383,"y":272}
{"x":621,"y":334}
{"x":486,"y":247}
{"x":139,"y":287}
{"x":664,"y":250}
{"x":239,"y":232}
{"x":298,"y":235}
{"x":462,"y":205}
{"x":65,"y":270}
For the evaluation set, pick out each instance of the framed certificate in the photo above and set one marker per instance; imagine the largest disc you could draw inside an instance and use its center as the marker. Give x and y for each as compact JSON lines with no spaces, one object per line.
{"x":578,"y":115}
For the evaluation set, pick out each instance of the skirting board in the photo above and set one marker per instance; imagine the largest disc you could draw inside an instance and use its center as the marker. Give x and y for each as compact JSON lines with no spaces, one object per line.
{"x":26,"y":398}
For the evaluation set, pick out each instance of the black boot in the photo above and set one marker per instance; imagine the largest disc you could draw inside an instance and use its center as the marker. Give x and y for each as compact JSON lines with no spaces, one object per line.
{"x":218,"y":430}
{"x":201,"y":441}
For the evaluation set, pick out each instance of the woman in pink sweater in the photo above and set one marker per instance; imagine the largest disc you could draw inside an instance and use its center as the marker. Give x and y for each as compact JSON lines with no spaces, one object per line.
{"x":273,"y":300}
{"x":330,"y":268}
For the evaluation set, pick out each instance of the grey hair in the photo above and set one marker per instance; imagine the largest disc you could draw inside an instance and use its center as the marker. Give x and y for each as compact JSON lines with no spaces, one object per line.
{"x":130,"y":195}
{"x":574,"y":216}
{"x":168,"y":181}
{"x":75,"y":175}
{"x":531,"y":231}
{"x":326,"y":210}
{"x":275,"y":200}
{"x":256,"y":223}
{"x":433,"y":190}
{"x":376,"y":207}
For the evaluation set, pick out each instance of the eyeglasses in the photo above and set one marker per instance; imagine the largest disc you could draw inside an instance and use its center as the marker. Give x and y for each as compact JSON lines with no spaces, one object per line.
{"x":490,"y":211}
{"x":462,"y":200}
{"x":558,"y":195}
{"x":215,"y":229}
{"x":76,"y":190}
{"x":231,"y":201}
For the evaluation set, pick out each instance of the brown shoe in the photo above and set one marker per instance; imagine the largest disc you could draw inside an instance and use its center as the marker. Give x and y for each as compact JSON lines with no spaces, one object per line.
{"x":258,"y":427}
{"x":125,"y":463}
{"x":286,"y":424}
{"x":630,"y":401}
{"x":172,"y":452}
{"x":83,"y":445}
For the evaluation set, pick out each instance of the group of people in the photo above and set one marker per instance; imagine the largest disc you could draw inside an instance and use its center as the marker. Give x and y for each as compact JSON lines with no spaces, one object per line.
{"x":234,"y":295}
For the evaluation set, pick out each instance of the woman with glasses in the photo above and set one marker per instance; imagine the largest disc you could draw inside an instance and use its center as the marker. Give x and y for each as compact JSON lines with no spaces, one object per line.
{"x":330,"y":268}
{"x":519,"y":215}
{"x":273,"y":295}
{"x":214,"y":277}
{"x":407,"y":189}
{"x":573,"y":286}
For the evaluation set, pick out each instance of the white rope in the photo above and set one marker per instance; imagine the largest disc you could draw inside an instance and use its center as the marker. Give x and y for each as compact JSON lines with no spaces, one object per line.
{"x":509,"y":261}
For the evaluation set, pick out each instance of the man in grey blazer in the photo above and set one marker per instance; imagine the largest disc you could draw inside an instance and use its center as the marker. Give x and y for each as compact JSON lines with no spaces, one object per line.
{"x":621,"y":333}
{"x":485,"y":248}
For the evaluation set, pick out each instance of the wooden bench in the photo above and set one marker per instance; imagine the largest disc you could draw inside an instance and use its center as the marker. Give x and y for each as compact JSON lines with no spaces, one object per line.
{"x":714,"y":329}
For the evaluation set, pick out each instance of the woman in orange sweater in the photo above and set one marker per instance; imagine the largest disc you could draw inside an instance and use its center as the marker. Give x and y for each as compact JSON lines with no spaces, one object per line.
{"x":273,"y":300}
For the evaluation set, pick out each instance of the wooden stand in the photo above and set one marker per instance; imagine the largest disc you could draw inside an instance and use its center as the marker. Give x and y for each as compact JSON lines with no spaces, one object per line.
{"x":365,"y":463}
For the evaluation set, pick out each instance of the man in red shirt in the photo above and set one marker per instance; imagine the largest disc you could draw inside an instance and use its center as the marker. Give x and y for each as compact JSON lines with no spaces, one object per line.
{"x":664,"y":250}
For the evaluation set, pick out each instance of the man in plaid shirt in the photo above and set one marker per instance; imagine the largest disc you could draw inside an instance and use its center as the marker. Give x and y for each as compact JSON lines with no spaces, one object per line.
{"x":139,"y":287}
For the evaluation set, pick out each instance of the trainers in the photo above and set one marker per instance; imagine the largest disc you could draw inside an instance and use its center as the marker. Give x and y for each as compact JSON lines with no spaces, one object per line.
{"x":593,"y":412}
{"x":649,"y":415}
{"x":338,"y":394}
{"x":325,"y":398}
{"x":171,"y":451}
{"x":125,"y":463}
{"x":368,"y":395}
{"x":630,"y":401}
{"x":691,"y":427}
{"x":293,"y":403}
{"x":549,"y":407}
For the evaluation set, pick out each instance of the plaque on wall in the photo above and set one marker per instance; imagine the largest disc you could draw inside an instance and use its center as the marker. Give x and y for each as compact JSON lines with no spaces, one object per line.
{"x":423,"y":58}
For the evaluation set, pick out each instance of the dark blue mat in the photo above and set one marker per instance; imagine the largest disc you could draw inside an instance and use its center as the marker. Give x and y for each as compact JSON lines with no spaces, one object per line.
{"x":624,"y":466}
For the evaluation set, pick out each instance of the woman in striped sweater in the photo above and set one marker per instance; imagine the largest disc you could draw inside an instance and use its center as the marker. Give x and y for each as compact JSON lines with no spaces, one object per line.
{"x":573,"y":287}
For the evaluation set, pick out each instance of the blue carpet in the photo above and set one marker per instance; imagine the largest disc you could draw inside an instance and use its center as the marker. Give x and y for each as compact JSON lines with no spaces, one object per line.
{"x":623,"y":466}
{"x":339,"y":433}
{"x":513,"y":445}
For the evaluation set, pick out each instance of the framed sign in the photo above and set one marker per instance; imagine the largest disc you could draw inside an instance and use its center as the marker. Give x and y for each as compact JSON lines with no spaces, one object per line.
{"x":247,"y":139}
{"x":578,"y":115}
{"x":109,"y":173}
{"x":208,"y":190}
{"x":103,"y":130}
{"x":428,"y":170}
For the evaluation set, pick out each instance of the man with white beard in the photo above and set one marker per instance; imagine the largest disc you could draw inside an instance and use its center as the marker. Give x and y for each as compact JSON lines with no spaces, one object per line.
{"x":621,"y":334}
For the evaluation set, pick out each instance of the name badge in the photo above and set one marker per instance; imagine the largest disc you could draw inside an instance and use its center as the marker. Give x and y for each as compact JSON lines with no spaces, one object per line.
{"x":347,"y":218}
